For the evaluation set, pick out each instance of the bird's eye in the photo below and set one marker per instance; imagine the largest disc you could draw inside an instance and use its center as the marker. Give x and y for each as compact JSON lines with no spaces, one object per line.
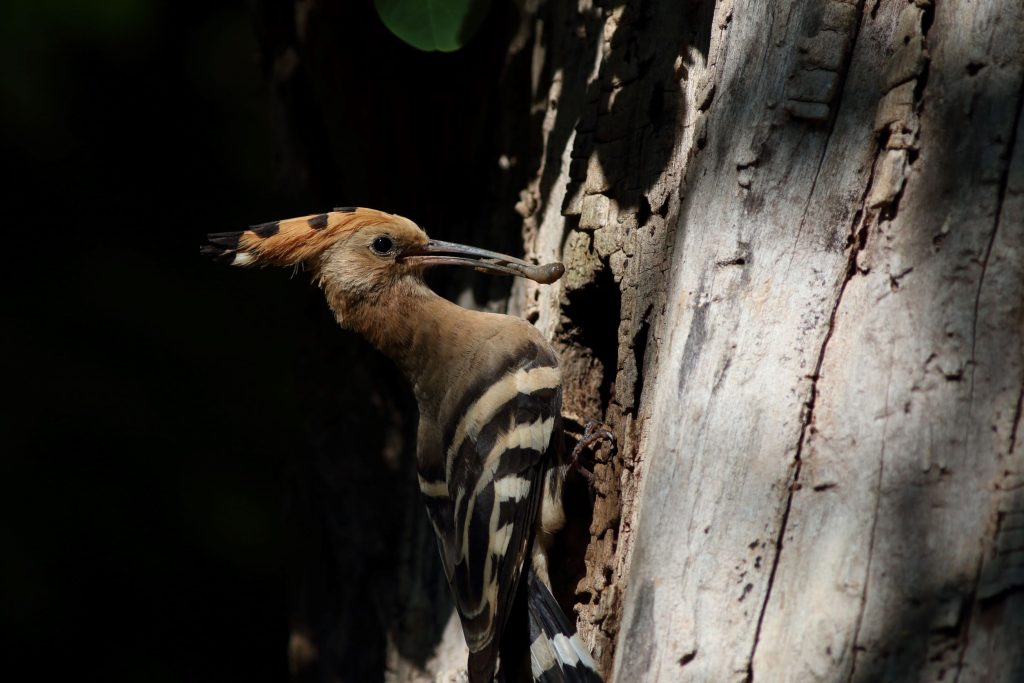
{"x":382,"y":245}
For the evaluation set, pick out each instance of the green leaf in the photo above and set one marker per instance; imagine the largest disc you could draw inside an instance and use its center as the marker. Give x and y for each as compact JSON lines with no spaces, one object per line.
{"x":429,"y":25}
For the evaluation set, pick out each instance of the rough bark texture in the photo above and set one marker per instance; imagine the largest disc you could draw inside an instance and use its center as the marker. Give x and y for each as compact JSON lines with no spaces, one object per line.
{"x":830,"y":441}
{"x":616,"y":132}
{"x":794,"y":239}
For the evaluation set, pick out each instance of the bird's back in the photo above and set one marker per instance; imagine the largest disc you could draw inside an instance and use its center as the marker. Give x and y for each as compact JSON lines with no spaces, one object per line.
{"x":483,"y":451}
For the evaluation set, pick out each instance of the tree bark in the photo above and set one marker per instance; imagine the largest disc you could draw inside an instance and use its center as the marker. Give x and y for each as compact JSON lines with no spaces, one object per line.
{"x":794,"y":239}
{"x":812,"y":222}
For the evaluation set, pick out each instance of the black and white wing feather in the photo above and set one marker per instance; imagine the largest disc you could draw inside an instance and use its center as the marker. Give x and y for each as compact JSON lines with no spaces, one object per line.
{"x":496,"y":454}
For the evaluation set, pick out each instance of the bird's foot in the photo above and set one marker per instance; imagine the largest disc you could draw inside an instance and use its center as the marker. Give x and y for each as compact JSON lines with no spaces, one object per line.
{"x":593,"y":432}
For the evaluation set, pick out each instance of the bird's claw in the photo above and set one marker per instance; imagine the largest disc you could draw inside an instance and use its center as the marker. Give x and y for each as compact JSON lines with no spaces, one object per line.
{"x":593,"y":432}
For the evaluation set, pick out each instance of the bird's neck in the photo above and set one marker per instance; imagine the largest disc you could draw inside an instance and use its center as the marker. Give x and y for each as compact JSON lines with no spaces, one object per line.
{"x":423,"y":333}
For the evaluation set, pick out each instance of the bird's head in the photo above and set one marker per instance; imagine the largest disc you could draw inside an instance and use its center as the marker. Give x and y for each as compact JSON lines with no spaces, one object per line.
{"x":359,"y":255}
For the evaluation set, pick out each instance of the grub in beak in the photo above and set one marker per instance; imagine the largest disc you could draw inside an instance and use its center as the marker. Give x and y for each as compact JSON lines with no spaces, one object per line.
{"x":438,"y":253}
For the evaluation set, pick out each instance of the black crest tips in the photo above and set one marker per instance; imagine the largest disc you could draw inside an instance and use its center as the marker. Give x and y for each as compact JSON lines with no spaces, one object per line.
{"x":265,"y":230}
{"x":218,"y":254}
{"x":228,"y":240}
{"x":345,"y":209}
{"x":318,"y":222}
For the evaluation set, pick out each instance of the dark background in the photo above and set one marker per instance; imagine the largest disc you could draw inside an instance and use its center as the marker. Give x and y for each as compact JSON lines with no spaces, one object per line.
{"x":159,"y":407}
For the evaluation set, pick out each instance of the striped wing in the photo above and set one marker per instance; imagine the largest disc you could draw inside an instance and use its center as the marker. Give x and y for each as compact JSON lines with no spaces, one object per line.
{"x":495,"y":459}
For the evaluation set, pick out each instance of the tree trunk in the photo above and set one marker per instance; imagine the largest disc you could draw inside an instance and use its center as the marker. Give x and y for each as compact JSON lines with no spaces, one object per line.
{"x":794,"y":239}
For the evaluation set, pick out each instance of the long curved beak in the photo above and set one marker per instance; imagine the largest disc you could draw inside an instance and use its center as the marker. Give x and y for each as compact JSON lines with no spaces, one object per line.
{"x":438,"y":253}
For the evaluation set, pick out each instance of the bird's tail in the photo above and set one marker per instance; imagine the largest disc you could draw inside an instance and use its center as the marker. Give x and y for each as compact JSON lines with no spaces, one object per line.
{"x":556,"y":653}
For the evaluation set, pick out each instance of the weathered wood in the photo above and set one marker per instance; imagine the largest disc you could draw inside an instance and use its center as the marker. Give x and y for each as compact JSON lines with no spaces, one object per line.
{"x":830,"y":428}
{"x":917,"y":395}
{"x":842,"y":168}
{"x":761,"y":255}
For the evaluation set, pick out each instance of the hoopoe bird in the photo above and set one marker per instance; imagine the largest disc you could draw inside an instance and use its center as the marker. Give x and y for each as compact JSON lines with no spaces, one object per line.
{"x":488,"y":450}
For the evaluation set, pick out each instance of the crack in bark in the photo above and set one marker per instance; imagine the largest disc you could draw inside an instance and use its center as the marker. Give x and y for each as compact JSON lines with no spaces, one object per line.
{"x":967,"y":619}
{"x":857,"y":245}
{"x":885,"y":212}
{"x":857,"y":242}
{"x":1004,"y":180}
{"x":797,"y":459}
{"x":1016,"y":420}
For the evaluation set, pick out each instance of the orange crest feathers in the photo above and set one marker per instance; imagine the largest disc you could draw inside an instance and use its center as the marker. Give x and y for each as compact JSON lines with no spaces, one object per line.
{"x":291,"y":241}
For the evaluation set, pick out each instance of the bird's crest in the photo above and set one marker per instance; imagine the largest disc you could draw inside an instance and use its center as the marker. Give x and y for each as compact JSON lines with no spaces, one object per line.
{"x":293,"y":240}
